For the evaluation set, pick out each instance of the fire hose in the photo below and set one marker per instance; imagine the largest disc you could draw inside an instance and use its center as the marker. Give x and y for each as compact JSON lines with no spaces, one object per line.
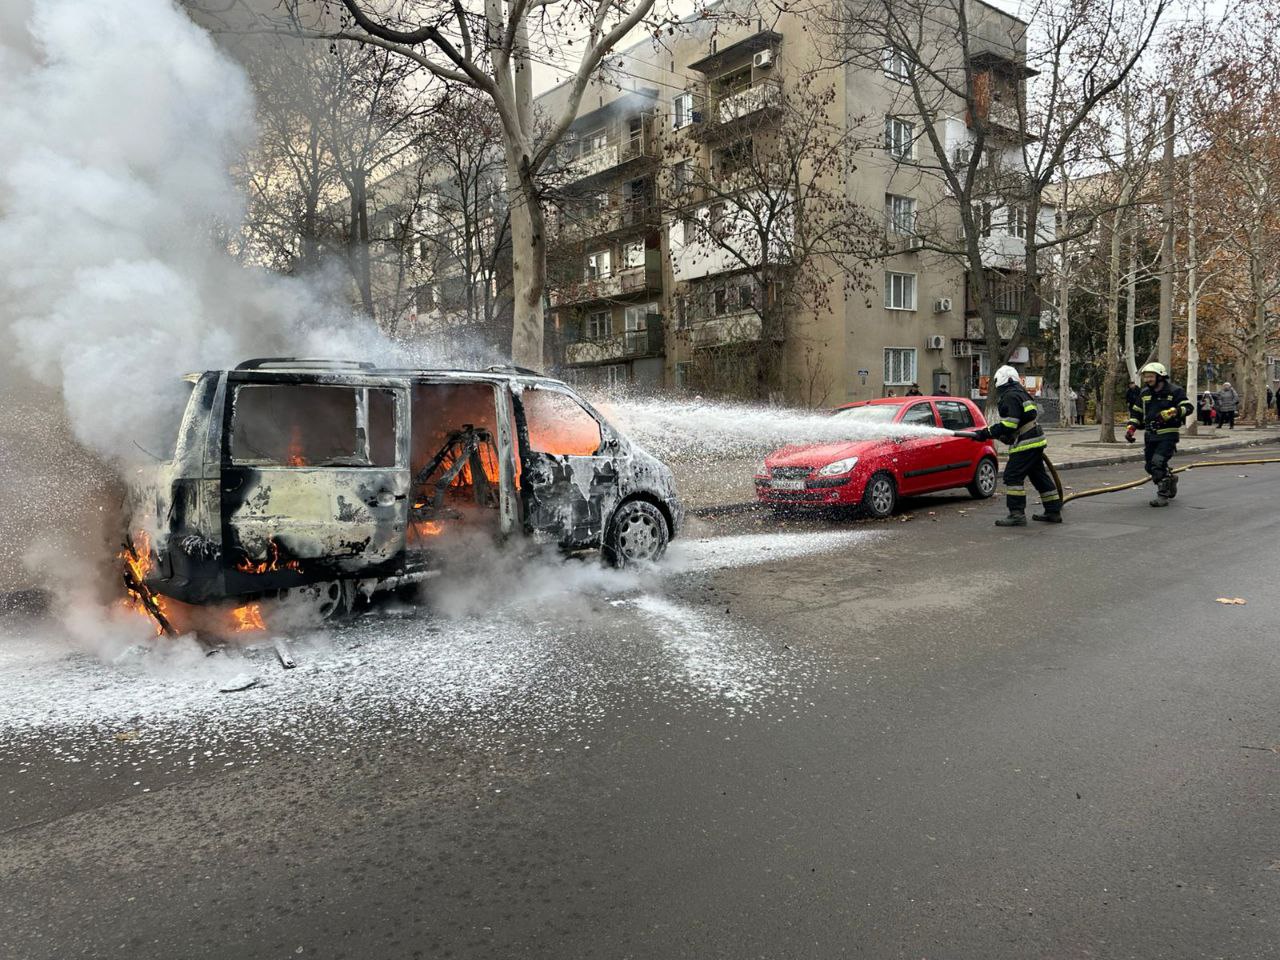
{"x":1130,"y":484}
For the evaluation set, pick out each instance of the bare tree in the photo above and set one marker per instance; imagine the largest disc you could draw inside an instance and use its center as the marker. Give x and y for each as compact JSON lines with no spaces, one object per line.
{"x":492,"y":51}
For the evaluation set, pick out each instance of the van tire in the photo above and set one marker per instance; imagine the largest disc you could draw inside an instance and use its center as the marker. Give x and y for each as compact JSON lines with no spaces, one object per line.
{"x":637,"y":533}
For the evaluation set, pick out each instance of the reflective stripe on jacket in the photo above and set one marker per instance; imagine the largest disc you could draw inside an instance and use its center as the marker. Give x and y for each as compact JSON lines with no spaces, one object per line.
{"x":1154,"y":400}
{"x":1018,"y":425}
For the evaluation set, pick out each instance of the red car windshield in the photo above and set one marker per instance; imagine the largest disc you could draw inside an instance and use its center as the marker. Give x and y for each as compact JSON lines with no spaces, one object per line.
{"x":872,"y":413}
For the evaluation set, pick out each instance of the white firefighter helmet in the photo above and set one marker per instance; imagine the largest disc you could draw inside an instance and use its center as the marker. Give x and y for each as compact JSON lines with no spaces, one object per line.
{"x":1156,"y":368}
{"x":1005,"y":374}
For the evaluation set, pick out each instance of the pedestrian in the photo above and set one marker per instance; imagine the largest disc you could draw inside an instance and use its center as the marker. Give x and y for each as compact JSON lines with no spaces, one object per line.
{"x":890,"y":393}
{"x":1228,"y":404}
{"x":1162,"y":410}
{"x":1073,"y":399}
{"x":1278,"y":398}
{"x":914,"y":390}
{"x":1271,"y":397}
{"x":1019,"y":427}
{"x":1204,"y":406}
{"x":1080,"y":405}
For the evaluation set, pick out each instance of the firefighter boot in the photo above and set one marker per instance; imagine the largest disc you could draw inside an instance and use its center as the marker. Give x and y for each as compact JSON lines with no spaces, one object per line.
{"x":1172,"y":490}
{"x":1012,"y":520}
{"x":1049,"y":516}
{"x":1165,"y":491}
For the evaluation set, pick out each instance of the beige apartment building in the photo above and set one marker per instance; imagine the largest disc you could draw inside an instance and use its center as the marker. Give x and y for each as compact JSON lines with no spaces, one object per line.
{"x":640,"y":296}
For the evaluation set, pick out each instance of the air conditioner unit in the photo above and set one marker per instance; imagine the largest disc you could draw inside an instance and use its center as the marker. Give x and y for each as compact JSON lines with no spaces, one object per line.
{"x":763,"y":59}
{"x":912,"y":242}
{"x":935,"y":342}
{"x":942,"y":305}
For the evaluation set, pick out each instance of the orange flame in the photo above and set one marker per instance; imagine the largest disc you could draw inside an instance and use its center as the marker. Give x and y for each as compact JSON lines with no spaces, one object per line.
{"x":269,"y":565}
{"x":248,"y":617}
{"x":295,"y":457}
{"x":136,"y":558}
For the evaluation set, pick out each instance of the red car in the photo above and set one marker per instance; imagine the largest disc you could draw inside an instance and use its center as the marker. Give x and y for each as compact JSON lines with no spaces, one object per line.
{"x":873,"y":474}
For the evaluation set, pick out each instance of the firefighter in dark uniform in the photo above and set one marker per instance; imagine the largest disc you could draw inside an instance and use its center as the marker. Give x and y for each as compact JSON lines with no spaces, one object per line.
{"x":1161,"y":409}
{"x":1019,"y":428}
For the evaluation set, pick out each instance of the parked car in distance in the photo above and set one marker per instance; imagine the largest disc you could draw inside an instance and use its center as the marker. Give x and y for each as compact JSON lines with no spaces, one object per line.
{"x":872,"y":475}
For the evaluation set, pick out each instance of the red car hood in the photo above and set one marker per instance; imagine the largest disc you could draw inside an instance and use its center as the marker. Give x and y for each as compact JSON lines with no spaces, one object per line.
{"x":820,"y":454}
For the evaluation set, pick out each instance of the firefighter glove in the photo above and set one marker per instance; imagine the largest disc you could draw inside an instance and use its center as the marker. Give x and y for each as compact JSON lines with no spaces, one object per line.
{"x":1168,"y":413}
{"x":1128,"y":434}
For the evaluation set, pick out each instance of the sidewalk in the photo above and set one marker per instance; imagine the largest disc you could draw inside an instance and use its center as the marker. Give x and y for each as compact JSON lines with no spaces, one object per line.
{"x":726,"y":485}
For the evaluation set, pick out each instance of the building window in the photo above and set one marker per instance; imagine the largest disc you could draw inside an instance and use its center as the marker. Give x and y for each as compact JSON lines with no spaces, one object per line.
{"x":633,"y":254}
{"x":982,"y":218}
{"x":599,"y":265}
{"x":426,"y":298}
{"x":682,"y":177}
{"x":900,"y":138}
{"x":899,"y":365}
{"x":636,"y":317}
{"x":683,"y":109}
{"x":717,"y":221}
{"x":1016,"y":221}
{"x":896,"y":65}
{"x":682,"y":373}
{"x":720,"y":301}
{"x":615,"y":375}
{"x":599,"y":325}
{"x":595,"y":140}
{"x":900,"y":291}
{"x":902,"y":214}
{"x":746,"y":296}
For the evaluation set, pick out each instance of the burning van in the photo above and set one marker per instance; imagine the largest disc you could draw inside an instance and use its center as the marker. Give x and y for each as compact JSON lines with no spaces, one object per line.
{"x":341,"y":477}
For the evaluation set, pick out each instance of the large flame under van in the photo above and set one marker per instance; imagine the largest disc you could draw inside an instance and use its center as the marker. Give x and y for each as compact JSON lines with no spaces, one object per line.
{"x":289,"y":473}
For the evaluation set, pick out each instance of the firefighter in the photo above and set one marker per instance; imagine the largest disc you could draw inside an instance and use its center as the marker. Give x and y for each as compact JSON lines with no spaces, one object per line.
{"x":1161,"y":408}
{"x":1019,"y":428}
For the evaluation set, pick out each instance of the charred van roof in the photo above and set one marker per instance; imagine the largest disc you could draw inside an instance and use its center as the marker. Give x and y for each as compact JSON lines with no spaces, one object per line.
{"x":492,"y":374}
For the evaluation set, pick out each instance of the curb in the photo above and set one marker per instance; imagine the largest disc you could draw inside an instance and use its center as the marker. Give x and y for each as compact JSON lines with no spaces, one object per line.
{"x":730,"y":509}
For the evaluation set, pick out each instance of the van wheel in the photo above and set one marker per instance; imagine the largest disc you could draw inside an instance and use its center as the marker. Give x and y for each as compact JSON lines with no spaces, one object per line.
{"x":637,"y":534}
{"x":880,"y":496}
{"x":984,"y":480}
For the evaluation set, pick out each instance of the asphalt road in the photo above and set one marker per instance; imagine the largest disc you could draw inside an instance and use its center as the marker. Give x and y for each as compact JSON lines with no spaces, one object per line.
{"x":935,"y":739}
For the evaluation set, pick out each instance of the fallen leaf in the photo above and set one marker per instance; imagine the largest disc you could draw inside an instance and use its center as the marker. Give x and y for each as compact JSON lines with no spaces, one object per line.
{"x":125,"y":735}
{"x":1234,"y":601}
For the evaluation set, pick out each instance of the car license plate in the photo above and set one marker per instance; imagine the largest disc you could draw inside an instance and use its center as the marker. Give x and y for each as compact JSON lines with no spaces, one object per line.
{"x":787,"y":484}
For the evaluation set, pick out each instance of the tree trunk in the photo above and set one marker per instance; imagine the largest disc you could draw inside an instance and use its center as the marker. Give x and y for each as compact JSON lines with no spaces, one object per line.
{"x":528,"y":267}
{"x":1164,"y":351}
{"x":1106,"y":415}
{"x":1193,"y":302}
{"x":359,"y":243}
{"x":1066,"y":406}
{"x":1131,"y":305}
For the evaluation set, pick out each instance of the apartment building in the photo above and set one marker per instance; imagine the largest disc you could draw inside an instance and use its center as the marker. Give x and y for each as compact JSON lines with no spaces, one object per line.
{"x":640,"y":293}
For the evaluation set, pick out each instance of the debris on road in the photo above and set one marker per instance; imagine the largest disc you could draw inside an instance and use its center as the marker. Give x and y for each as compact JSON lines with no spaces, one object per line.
{"x":243,"y":681}
{"x":282,"y":653}
{"x":1234,"y":601}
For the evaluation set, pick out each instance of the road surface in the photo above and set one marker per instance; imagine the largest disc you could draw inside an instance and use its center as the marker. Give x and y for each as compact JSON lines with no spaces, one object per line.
{"x":922,"y":738}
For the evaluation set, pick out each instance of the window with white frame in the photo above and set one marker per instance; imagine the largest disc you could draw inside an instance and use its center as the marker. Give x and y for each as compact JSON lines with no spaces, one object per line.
{"x":901,"y":213}
{"x":900,"y":138}
{"x":900,"y":291}
{"x":896,"y":65}
{"x":633,"y":254}
{"x":599,"y":265}
{"x":595,"y":140}
{"x":682,"y":108}
{"x":636,"y":317}
{"x":599,"y":325}
{"x":717,"y":221}
{"x":899,"y":365}
{"x":1016,"y":221}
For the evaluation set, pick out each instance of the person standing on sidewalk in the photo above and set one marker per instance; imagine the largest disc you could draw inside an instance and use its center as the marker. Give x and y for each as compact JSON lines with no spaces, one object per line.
{"x":1228,"y":404}
{"x":1278,"y":399}
{"x":1206,"y":408}
{"x":1019,"y":427}
{"x":1162,"y":410}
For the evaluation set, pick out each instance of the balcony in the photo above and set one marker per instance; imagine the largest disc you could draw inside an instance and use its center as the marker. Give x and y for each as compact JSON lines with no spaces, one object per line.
{"x":1008,"y":291}
{"x":720,"y":115}
{"x":626,"y":282}
{"x":628,"y":345}
{"x":611,"y":159}
{"x":741,"y":327}
{"x":630,"y":216}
